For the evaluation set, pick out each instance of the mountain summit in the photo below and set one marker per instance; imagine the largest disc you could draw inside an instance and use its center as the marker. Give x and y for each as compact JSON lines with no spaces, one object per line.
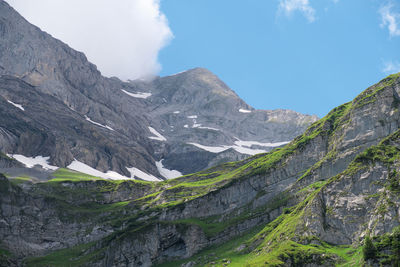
{"x":59,"y":111}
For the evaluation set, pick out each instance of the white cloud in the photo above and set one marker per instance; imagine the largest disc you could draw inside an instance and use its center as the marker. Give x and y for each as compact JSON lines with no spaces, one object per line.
{"x":390,"y":19}
{"x":121,"y":37}
{"x":290,"y":6}
{"x":391,"y":67}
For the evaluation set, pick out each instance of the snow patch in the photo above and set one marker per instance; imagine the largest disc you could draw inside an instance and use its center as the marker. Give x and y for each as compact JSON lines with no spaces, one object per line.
{"x":177,"y":112}
{"x":16,"y":105}
{"x":242,"y":110}
{"x":137,"y":94}
{"x":30,"y":162}
{"x":209,"y":128}
{"x":99,"y":124}
{"x":157,"y":136}
{"x":195,"y":124}
{"x":169,"y":174}
{"x":219,"y":149}
{"x":136,"y":173}
{"x":82,"y":167}
{"x":212,"y":149}
{"x":176,"y":73}
{"x":186,"y":126}
{"x":243,"y":147}
{"x":255,"y":143}
{"x":248,"y":151}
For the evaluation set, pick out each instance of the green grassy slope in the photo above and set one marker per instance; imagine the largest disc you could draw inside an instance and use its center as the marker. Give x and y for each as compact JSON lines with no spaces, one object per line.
{"x":273,"y":244}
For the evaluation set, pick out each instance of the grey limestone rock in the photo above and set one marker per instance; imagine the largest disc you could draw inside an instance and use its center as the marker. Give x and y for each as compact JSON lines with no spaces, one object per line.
{"x":73,"y":112}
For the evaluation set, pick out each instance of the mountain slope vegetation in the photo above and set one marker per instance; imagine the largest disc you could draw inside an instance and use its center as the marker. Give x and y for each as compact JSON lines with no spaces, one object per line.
{"x":314,"y":201}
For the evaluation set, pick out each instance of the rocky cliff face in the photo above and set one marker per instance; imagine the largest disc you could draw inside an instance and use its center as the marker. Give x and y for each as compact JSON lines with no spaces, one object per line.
{"x":312,"y":202}
{"x":56,"y":104}
{"x":198,"y":113}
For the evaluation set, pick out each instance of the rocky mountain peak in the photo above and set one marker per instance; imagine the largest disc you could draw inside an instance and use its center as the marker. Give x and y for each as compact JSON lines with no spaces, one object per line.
{"x":206,"y":80}
{"x":196,"y":87}
{"x":137,"y":129}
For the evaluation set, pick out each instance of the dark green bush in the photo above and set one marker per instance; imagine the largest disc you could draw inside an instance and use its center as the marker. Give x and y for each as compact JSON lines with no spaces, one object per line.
{"x":369,"y":250}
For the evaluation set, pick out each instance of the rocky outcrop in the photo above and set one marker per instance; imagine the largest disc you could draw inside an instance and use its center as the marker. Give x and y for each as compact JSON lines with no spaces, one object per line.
{"x":311,"y":202}
{"x":42,"y":217}
{"x":196,"y":107}
{"x":54,"y":103}
{"x":322,"y":193}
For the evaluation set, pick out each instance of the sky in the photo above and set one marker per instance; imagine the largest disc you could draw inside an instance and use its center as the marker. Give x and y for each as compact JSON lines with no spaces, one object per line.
{"x":306,"y":55}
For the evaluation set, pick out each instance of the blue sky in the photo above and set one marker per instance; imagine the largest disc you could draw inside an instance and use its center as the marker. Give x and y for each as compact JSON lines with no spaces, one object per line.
{"x":304,"y":55}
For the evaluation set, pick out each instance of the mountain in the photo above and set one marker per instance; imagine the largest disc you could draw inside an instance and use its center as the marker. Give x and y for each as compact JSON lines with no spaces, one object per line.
{"x":310,"y":202}
{"x":329,"y":197}
{"x":199,"y":114}
{"x":59,"y":111}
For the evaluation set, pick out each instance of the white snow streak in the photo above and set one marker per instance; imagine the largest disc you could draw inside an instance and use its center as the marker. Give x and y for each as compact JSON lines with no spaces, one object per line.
{"x":208,"y":128}
{"x":243,"y":147}
{"x":30,"y":162}
{"x":244,"y":110}
{"x":177,"y":112}
{"x":251,"y":143}
{"x":169,"y":174}
{"x":195,"y":124}
{"x":16,"y":105}
{"x":138,"y":94}
{"x":82,"y":167}
{"x":99,"y":124}
{"x":176,"y":73}
{"x":135,"y":173}
{"x":248,"y":151}
{"x":157,"y":136}
{"x":212,"y":149}
{"x":219,"y":149}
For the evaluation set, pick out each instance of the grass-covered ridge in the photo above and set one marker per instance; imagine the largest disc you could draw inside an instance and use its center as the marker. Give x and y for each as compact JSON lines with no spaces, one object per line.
{"x":370,"y":94}
{"x":386,"y":152}
{"x":341,"y":115}
{"x":276,"y":243}
{"x":63,"y":174}
{"x":208,"y":180}
{"x":281,"y":240}
{"x":177,"y":191}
